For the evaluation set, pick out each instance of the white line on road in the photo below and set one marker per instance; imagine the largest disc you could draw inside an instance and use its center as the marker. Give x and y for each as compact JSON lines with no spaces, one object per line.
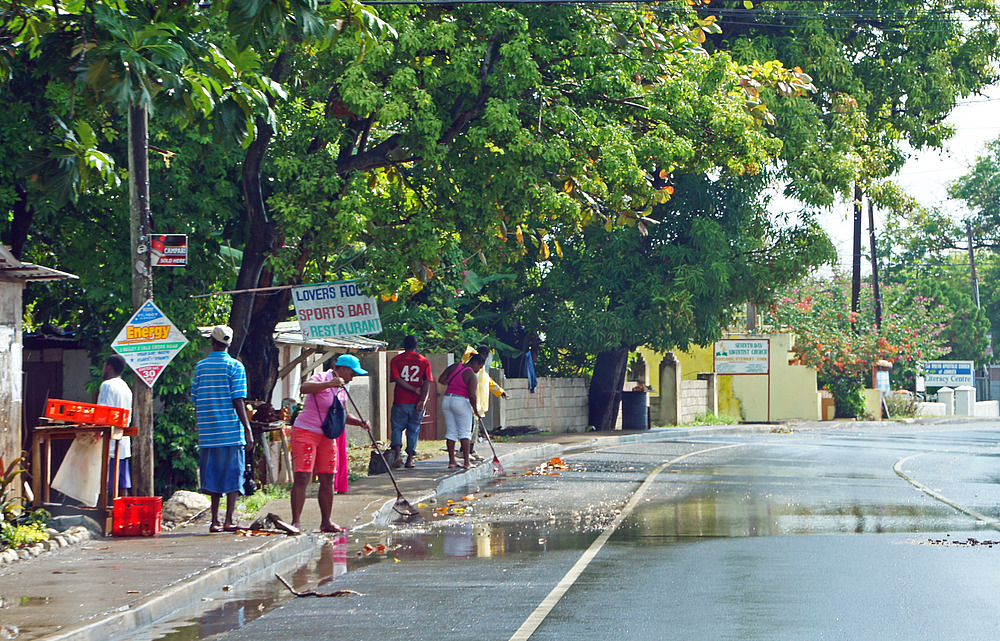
{"x":545,"y":607}
{"x":898,"y":469}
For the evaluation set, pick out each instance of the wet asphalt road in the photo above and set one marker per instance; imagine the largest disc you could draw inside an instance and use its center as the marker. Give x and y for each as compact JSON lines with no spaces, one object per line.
{"x":812,"y":535}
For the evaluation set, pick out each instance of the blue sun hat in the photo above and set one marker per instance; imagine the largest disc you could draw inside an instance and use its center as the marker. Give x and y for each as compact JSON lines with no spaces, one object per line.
{"x":347,"y":360}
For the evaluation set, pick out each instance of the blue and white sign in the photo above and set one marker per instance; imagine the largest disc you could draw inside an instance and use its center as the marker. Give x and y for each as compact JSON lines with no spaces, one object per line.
{"x":148,"y":342}
{"x":949,"y":373}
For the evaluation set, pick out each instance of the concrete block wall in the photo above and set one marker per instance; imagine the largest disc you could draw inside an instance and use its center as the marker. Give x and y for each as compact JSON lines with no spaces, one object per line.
{"x":930,"y":409}
{"x":694,"y":399}
{"x":557,"y":404}
{"x":987,"y":409}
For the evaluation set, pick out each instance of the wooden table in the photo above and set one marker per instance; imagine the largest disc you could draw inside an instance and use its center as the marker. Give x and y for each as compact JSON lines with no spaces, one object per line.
{"x":42,"y":472}
{"x":260,"y":430}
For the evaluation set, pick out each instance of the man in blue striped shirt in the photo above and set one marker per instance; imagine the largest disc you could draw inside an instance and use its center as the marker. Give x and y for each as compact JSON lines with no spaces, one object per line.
{"x":219,"y":393}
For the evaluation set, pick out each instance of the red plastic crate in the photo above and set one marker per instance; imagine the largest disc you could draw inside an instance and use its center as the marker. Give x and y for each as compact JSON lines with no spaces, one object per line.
{"x":137,"y":516}
{"x":77,"y":412}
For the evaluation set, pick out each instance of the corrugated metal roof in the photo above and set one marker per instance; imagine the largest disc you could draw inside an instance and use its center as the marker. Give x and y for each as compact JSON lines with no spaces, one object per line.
{"x":288,"y":333}
{"x":13,"y":269}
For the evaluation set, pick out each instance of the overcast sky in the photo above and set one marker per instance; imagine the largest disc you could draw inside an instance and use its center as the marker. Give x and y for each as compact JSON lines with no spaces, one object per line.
{"x":926,"y":176}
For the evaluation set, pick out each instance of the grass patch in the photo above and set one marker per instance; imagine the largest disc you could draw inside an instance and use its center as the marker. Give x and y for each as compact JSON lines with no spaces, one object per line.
{"x":251,"y":505}
{"x":708,"y":418}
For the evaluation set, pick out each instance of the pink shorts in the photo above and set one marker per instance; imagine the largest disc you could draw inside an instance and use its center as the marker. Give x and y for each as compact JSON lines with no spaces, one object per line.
{"x":313,"y":452}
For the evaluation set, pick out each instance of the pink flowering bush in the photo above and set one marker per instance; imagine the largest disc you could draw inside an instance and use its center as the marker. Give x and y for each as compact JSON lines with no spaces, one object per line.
{"x":843,"y":347}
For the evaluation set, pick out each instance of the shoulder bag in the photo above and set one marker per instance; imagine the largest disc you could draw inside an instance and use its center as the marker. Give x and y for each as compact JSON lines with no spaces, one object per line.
{"x":335,"y":419}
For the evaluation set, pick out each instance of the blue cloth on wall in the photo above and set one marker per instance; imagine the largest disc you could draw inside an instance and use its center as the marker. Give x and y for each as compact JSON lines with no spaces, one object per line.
{"x":529,"y":372}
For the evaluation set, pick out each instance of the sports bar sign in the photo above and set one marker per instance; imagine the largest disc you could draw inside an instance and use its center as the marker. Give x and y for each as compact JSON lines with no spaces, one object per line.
{"x":742,"y":356}
{"x":332,"y":310}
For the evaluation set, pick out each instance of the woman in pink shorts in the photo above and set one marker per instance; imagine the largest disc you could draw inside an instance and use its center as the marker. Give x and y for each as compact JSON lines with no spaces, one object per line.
{"x":311,"y":451}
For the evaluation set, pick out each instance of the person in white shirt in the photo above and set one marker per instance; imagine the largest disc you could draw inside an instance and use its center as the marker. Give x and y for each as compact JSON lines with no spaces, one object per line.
{"x":116,"y":393}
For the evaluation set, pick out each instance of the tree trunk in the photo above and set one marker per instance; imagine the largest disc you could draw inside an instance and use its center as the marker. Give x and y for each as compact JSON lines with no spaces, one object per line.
{"x":142,"y":289}
{"x":606,"y":386}
{"x":260,"y":354}
{"x":20,"y":222}
{"x":261,"y":231}
{"x":260,"y":239}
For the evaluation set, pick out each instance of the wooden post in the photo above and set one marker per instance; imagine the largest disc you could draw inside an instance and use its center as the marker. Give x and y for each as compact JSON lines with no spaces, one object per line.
{"x":142,"y":288}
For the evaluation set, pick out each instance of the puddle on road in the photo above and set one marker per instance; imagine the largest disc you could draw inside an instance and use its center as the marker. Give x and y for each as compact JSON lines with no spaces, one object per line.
{"x":488,"y":524}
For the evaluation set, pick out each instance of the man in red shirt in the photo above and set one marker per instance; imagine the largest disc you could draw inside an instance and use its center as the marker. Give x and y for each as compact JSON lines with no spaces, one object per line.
{"x":411,"y":373}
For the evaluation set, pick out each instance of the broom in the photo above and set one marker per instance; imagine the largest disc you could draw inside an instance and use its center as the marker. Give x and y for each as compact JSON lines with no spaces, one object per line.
{"x":497,"y":467}
{"x":401,"y":506}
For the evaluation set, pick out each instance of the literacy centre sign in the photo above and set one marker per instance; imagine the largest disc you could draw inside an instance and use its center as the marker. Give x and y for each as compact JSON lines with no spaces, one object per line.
{"x":949,"y":373}
{"x":742,"y":356}
{"x":148,"y":342}
{"x":332,"y":310}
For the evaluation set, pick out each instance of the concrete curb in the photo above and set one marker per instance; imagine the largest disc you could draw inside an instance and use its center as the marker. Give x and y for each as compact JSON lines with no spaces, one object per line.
{"x":282,"y":555}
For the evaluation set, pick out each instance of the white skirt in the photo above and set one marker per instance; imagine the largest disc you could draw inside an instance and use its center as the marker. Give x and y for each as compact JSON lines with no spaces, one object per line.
{"x":458,"y":416}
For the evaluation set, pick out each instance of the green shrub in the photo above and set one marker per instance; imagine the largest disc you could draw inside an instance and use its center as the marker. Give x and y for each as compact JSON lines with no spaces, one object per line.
{"x":901,"y":405}
{"x":16,"y":536}
{"x":848,"y":395}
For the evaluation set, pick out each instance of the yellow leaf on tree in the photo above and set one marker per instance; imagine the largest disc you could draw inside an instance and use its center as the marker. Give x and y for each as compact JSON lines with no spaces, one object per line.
{"x":568,"y":187}
{"x":519,"y":235}
{"x":543,"y":251}
{"x":558,"y":248}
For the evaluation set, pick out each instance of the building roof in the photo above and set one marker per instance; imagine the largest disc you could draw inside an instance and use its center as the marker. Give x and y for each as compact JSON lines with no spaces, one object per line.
{"x":13,"y":269}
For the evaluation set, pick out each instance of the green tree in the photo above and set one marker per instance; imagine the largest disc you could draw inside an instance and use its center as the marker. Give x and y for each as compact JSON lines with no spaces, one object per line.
{"x":667,"y":285}
{"x":885,"y":74}
{"x":493,"y":131}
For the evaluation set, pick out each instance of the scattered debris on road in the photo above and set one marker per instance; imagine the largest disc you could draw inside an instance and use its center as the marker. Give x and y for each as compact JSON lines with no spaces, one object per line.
{"x":337,"y":593}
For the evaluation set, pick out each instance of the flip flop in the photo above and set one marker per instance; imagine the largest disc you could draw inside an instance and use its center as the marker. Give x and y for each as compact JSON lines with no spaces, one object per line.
{"x":215,"y":529}
{"x":232,"y":528}
{"x":336,"y":530}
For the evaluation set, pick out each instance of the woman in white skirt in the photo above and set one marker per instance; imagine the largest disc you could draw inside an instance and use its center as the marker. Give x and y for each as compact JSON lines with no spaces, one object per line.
{"x":459,"y":406}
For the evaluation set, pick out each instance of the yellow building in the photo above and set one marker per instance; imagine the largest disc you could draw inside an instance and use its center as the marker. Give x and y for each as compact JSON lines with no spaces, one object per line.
{"x":784,"y":389}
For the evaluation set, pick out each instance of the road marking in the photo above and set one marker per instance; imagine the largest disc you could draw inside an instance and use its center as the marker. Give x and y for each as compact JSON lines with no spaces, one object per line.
{"x":898,"y":469}
{"x":545,"y":607}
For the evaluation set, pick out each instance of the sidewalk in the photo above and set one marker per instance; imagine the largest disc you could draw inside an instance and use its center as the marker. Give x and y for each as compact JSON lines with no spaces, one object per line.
{"x":103,"y":589}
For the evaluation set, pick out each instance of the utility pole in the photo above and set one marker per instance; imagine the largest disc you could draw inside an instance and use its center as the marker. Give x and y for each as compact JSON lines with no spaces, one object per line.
{"x":972,"y":265}
{"x":876,"y":291}
{"x":140,"y":264}
{"x":856,"y":264}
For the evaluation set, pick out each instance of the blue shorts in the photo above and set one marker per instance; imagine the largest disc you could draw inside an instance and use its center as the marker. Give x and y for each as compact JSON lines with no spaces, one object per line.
{"x":221,"y":469}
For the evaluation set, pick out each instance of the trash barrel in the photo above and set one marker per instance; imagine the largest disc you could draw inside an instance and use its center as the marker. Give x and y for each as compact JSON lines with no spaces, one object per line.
{"x":635,"y":410}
